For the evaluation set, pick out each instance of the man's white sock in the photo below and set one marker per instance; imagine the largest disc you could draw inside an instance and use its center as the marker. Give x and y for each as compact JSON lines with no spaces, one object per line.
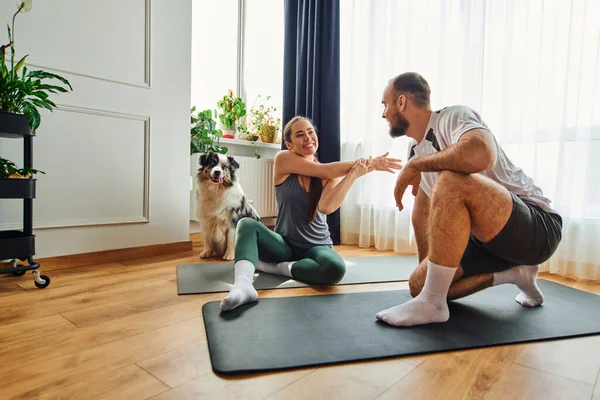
{"x":431,"y":305}
{"x":524,"y":277}
{"x":242,"y":291}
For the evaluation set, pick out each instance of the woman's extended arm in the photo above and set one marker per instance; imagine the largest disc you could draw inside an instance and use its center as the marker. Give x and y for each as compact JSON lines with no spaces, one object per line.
{"x":287,"y":162}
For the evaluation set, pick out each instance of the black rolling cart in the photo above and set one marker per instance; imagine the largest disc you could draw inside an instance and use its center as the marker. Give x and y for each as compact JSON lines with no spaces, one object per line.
{"x":18,"y":245}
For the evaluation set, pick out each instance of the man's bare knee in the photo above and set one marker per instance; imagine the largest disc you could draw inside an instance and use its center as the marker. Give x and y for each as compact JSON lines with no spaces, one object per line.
{"x":448,"y":183}
{"x":489,"y":203}
{"x":450,"y":178}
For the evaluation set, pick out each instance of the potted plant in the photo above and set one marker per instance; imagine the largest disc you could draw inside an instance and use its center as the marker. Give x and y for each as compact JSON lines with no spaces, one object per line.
{"x":8,"y":169}
{"x":231,"y":109}
{"x":22,"y":94}
{"x":265,"y":123}
{"x":22,"y":91}
{"x":203,"y":133}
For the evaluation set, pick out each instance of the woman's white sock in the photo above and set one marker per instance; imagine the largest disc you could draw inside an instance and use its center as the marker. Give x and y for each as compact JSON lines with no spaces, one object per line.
{"x":242,"y":291}
{"x":283,"y":268}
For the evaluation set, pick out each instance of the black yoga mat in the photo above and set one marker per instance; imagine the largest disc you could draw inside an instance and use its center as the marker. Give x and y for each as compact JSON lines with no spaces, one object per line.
{"x":218,"y":277}
{"x":293,"y":332}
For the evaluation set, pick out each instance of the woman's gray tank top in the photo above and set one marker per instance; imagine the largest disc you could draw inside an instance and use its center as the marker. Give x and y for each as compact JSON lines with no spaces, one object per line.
{"x":292,"y":202}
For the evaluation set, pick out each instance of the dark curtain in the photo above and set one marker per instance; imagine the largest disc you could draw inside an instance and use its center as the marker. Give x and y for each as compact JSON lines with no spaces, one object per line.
{"x":311,"y":76}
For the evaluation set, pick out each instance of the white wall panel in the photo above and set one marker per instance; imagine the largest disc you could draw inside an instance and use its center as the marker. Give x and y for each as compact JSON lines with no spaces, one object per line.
{"x":96,"y":166}
{"x":108,"y":39}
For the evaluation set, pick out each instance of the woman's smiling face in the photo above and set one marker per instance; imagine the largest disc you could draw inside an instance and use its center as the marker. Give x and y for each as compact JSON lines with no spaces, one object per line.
{"x":303,"y":139}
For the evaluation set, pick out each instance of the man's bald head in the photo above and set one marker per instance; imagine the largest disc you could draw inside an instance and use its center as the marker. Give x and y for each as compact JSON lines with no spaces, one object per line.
{"x":414,"y":86}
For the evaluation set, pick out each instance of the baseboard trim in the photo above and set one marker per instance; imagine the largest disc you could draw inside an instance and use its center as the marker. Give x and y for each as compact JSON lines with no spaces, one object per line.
{"x":112,"y":256}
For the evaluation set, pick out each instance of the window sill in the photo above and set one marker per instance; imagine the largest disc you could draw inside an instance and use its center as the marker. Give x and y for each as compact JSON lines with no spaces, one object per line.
{"x":240,"y":142}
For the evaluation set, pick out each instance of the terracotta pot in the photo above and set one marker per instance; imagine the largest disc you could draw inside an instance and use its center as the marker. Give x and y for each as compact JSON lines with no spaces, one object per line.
{"x":17,"y":175}
{"x":268,"y":134}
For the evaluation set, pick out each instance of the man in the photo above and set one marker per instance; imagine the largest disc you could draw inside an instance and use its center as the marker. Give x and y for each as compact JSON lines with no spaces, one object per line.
{"x":479,"y":220}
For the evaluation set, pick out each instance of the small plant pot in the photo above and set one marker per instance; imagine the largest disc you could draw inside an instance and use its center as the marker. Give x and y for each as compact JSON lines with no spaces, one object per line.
{"x":228,"y":132}
{"x":11,"y":188}
{"x":251,"y":137}
{"x":17,"y":175}
{"x":268,"y":134}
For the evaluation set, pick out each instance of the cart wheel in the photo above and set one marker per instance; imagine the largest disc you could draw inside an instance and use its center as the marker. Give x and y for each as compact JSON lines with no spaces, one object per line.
{"x":46,"y":280}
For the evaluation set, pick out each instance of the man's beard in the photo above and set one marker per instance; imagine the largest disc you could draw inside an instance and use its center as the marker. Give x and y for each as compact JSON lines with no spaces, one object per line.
{"x":399,"y":126}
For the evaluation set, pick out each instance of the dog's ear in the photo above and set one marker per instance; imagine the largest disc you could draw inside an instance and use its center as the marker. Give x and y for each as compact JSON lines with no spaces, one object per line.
{"x":234,"y":164}
{"x":204,"y":159}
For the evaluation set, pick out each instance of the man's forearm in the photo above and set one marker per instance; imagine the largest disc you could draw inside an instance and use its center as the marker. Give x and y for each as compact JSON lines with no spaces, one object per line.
{"x":468,"y":156}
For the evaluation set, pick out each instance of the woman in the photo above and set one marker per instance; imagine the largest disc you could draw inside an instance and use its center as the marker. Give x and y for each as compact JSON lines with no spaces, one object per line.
{"x":306,"y":192}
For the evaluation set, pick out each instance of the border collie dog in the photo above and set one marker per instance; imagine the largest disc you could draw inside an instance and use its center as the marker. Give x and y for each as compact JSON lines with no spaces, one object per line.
{"x":220,"y":204}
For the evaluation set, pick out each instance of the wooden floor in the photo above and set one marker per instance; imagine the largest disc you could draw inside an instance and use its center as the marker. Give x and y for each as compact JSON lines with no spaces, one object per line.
{"x":120,"y":331}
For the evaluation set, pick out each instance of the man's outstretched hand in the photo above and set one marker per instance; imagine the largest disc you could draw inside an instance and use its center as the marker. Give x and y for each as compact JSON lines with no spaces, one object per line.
{"x":383,"y":163}
{"x":408,"y":177}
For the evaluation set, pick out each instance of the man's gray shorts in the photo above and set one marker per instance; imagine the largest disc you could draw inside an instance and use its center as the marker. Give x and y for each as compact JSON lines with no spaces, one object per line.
{"x":530,"y":237}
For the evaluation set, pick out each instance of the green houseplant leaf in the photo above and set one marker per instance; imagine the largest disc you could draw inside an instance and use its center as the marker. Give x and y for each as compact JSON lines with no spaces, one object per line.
{"x":231,"y":109}
{"x":204,"y":138}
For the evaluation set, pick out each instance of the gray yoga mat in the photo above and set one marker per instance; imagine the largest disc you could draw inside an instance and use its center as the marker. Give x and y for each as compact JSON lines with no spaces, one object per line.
{"x":218,"y":277}
{"x":294,"y":332}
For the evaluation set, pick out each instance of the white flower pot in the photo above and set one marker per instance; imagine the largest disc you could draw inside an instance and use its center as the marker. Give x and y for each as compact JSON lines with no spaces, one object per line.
{"x":228,"y":133}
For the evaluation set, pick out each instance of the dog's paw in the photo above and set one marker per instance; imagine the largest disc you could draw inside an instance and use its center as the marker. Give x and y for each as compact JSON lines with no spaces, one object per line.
{"x":206,"y":254}
{"x":229,"y":256}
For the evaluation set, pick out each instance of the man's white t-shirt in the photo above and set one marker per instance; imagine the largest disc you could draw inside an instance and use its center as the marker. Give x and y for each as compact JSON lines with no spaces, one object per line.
{"x":445,"y":127}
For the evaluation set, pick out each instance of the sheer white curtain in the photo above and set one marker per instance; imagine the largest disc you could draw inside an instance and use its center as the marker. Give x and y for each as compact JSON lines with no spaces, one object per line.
{"x":530,"y":68}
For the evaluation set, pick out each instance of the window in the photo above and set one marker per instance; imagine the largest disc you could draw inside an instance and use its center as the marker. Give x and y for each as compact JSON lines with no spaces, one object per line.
{"x":250,"y":64}
{"x":214,"y":51}
{"x":263,"y":52}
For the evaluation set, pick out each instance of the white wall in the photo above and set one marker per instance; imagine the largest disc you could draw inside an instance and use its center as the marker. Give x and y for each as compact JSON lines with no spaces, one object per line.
{"x":116,"y":152}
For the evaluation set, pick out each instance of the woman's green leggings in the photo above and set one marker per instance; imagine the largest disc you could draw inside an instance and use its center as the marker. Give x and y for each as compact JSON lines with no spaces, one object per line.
{"x":318,"y":265}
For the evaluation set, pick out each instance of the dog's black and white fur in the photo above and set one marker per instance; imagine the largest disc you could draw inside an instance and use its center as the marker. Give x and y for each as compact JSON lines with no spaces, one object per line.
{"x":220,"y":204}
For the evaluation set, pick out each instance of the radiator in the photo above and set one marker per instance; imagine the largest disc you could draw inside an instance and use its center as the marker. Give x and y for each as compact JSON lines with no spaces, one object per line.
{"x":256,"y":178}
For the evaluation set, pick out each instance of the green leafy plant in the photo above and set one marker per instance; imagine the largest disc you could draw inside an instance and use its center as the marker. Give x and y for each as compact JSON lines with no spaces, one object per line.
{"x":8,"y":169}
{"x":264,"y":122}
{"x":204,"y":134}
{"x":231,"y":109}
{"x":21,"y":90}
